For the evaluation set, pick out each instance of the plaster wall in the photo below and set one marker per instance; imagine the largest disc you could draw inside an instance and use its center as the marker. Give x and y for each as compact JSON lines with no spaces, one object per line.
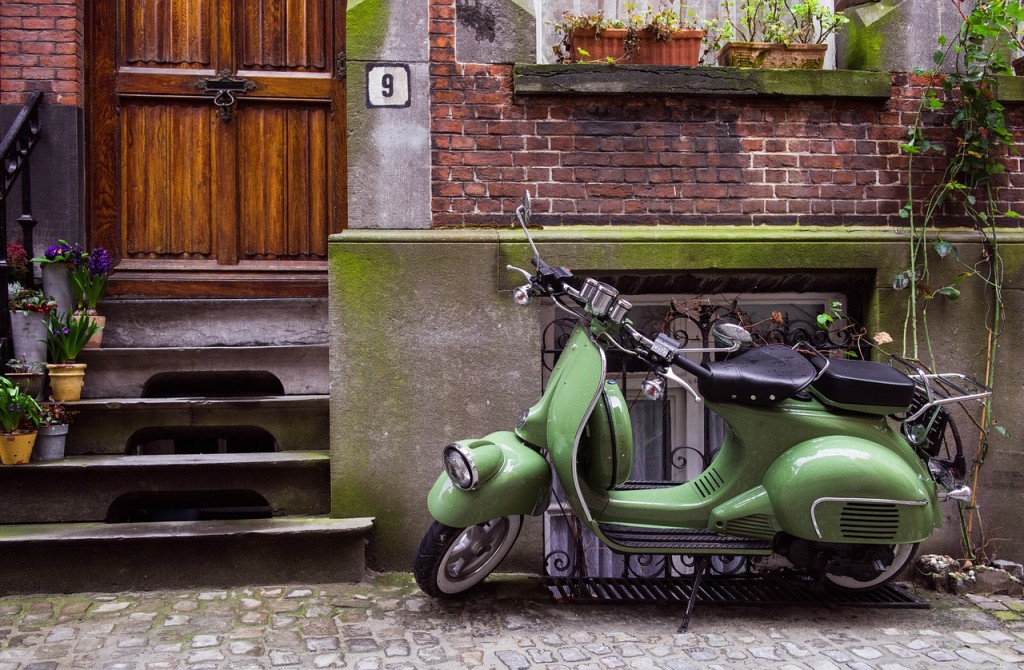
{"x":426,"y":347}
{"x":388,"y":147}
{"x":895,"y":35}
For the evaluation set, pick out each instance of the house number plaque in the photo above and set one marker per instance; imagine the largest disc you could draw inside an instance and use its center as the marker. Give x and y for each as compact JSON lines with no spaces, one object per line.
{"x":387,"y":85}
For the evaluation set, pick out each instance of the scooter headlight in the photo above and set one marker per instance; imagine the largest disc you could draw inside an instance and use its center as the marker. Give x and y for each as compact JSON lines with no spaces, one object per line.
{"x":459,"y":464}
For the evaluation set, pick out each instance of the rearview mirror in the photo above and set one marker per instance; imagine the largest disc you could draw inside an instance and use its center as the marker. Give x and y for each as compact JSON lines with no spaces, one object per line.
{"x":732,"y":335}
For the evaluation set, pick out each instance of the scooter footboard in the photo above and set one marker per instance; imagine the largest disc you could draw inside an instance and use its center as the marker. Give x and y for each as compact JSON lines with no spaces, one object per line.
{"x":518,"y":482}
{"x":851,"y":490}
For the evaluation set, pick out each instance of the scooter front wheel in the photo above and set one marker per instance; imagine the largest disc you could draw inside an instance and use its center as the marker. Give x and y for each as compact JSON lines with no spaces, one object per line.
{"x":450,"y":561}
{"x":902,"y":554}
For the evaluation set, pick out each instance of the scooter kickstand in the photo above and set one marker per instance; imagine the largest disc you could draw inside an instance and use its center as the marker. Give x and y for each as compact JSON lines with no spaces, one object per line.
{"x":699,"y":568}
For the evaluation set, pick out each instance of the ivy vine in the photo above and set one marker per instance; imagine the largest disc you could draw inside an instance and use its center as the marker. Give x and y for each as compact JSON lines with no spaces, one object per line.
{"x":968,"y":189}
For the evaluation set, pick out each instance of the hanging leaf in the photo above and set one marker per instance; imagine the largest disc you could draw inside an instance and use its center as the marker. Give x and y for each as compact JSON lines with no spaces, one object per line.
{"x":949,"y":292}
{"x":943,"y":248}
{"x":1001,"y":430}
{"x":901,"y":281}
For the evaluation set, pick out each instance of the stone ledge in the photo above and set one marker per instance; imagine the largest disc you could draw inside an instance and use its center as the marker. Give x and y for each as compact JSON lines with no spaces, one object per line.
{"x":601,"y":79}
{"x":1009,"y":89}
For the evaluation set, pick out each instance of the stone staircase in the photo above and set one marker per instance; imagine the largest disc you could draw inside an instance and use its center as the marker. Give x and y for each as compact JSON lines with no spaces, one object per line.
{"x":200,"y":457}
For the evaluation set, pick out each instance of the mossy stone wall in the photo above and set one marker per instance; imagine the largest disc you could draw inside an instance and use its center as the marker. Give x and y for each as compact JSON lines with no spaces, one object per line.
{"x":427,"y":347}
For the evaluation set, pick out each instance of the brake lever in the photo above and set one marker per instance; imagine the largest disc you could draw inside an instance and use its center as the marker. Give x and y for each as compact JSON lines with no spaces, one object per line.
{"x":669,"y":374}
{"x":529,"y":277}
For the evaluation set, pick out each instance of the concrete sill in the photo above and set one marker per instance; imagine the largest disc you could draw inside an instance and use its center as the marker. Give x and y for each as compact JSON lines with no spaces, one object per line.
{"x":602,"y":79}
{"x":1009,"y":89}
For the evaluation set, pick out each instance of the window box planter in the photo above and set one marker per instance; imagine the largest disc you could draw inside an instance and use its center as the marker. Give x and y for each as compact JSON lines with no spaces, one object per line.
{"x":773,"y":55}
{"x":682,"y":48}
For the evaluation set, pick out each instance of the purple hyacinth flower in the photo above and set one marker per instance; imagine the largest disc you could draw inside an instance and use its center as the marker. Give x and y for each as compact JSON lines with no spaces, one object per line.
{"x":98,"y":262}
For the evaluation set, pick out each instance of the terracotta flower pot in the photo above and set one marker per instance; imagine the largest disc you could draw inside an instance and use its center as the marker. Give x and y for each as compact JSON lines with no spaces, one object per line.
{"x":66,"y":380}
{"x":16,"y":448}
{"x":682,"y":48}
{"x":773,"y":55}
{"x":96,"y":341}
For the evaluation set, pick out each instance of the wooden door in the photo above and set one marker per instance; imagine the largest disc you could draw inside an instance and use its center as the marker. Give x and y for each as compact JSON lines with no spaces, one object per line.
{"x":217,"y":143}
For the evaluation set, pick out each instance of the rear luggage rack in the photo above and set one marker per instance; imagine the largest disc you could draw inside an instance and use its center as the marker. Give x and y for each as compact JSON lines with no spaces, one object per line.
{"x":925,"y":422}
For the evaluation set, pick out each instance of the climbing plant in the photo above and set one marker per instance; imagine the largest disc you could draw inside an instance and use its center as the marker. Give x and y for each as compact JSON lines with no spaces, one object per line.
{"x":967,"y":190}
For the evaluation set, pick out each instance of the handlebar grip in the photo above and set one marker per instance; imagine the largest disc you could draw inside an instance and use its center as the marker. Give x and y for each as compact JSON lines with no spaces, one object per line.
{"x":695,"y":369}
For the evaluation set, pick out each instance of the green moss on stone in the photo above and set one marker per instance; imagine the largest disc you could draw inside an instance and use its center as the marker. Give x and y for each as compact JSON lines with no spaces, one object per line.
{"x":366,"y":26}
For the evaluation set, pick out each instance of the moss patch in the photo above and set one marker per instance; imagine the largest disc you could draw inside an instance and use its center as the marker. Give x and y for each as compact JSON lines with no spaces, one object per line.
{"x":366,"y":26}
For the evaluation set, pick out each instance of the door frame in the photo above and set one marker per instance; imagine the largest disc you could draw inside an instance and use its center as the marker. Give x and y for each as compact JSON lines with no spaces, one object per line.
{"x":178,"y":279}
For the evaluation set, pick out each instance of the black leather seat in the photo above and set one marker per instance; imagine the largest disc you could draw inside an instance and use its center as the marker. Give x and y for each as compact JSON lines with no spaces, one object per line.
{"x":855,"y":382}
{"x":760,"y":376}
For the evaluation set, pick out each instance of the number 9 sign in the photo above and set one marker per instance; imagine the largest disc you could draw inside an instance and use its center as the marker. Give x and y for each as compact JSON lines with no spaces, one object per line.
{"x":387,"y":85}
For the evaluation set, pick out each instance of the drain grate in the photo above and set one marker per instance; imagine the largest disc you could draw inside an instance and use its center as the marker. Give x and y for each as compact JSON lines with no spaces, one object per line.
{"x":745,"y":591}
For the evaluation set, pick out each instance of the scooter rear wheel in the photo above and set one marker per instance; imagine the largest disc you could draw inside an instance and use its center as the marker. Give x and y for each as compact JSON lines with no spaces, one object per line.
{"x":451,"y":561}
{"x":902,"y":554}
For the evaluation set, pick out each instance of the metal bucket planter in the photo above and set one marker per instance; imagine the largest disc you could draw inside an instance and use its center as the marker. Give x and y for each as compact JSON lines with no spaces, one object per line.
{"x":28,"y":335}
{"x":50,"y":442}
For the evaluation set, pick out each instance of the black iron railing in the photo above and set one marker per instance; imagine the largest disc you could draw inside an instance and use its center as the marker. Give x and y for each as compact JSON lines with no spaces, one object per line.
{"x":21,"y":138}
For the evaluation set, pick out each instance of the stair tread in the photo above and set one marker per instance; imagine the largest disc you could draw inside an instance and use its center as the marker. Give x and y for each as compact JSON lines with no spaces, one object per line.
{"x":164,"y":460}
{"x":88,"y":531}
{"x":119,"y":351}
{"x":193,"y":401}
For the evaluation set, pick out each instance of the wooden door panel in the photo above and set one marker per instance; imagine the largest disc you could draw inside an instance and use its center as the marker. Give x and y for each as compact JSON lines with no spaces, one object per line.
{"x":283,"y":207}
{"x":168,"y":32}
{"x":167,"y":202}
{"x":179,"y":190}
{"x":284,"y":34}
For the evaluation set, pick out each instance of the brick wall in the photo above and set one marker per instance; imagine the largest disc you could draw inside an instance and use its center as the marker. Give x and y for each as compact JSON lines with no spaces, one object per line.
{"x":670,"y":159}
{"x":41,"y":47}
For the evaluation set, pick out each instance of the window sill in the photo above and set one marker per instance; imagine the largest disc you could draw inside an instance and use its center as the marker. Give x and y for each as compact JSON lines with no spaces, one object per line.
{"x":601,"y":79}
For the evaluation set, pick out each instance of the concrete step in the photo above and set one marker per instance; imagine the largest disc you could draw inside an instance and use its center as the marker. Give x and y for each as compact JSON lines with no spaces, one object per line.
{"x":241,"y":322}
{"x":140,"y":372}
{"x":116,"y":425}
{"x":68,"y":558}
{"x":101,"y":488}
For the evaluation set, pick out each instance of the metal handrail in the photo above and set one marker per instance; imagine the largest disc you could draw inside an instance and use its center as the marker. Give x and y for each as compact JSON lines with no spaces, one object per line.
{"x":19,"y":141}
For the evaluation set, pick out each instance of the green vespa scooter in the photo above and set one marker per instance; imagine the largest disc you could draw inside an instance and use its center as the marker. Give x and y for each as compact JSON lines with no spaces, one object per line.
{"x":811,"y":471}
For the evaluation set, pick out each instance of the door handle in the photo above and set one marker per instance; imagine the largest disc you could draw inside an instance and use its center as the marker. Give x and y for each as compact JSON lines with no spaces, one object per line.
{"x":225,"y":88}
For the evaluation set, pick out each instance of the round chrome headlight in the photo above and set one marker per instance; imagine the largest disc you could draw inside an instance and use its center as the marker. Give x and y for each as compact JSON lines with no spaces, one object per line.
{"x":458,"y":463}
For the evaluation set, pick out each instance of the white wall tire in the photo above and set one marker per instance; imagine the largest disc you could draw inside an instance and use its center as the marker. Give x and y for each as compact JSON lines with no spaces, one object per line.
{"x":903,"y":554}
{"x":451,"y":561}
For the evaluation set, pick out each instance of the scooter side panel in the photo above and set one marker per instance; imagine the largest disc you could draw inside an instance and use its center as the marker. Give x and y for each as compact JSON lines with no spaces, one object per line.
{"x":847,"y":489}
{"x":521,"y":484}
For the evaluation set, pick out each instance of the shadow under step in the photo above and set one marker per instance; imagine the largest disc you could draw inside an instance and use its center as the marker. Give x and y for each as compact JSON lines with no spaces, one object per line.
{"x":88,"y":488}
{"x":70,"y":558}
{"x":114,"y":425}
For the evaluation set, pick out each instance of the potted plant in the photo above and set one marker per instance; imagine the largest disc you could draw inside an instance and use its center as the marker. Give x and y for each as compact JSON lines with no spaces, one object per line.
{"x":663,"y":37}
{"x":89,"y":282}
{"x":66,"y":335}
{"x":29,"y":309}
{"x":56,"y":264}
{"x":775,"y":33}
{"x":54,"y":421}
{"x":19,"y":268}
{"x":19,"y":417}
{"x":28,"y":375}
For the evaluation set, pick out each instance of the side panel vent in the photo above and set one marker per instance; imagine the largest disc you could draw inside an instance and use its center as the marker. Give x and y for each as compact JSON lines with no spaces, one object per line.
{"x":755,"y":525}
{"x":869,"y":521}
{"x":708,"y":483}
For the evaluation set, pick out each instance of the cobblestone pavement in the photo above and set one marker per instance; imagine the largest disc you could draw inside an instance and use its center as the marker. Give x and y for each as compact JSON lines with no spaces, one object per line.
{"x":387,"y":623}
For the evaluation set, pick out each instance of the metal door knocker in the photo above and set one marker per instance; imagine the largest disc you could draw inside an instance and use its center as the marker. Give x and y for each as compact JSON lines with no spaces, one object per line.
{"x":225,"y":87}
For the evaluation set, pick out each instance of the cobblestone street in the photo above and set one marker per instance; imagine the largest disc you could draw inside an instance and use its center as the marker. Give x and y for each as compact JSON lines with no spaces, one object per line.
{"x":386,"y":622}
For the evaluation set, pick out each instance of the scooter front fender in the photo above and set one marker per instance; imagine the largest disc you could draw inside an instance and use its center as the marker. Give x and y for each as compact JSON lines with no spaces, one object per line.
{"x":520,"y":484}
{"x":851,"y":490}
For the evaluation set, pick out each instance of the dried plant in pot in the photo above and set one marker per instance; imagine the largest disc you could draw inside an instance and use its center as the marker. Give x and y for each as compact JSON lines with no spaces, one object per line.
{"x":648,"y":37}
